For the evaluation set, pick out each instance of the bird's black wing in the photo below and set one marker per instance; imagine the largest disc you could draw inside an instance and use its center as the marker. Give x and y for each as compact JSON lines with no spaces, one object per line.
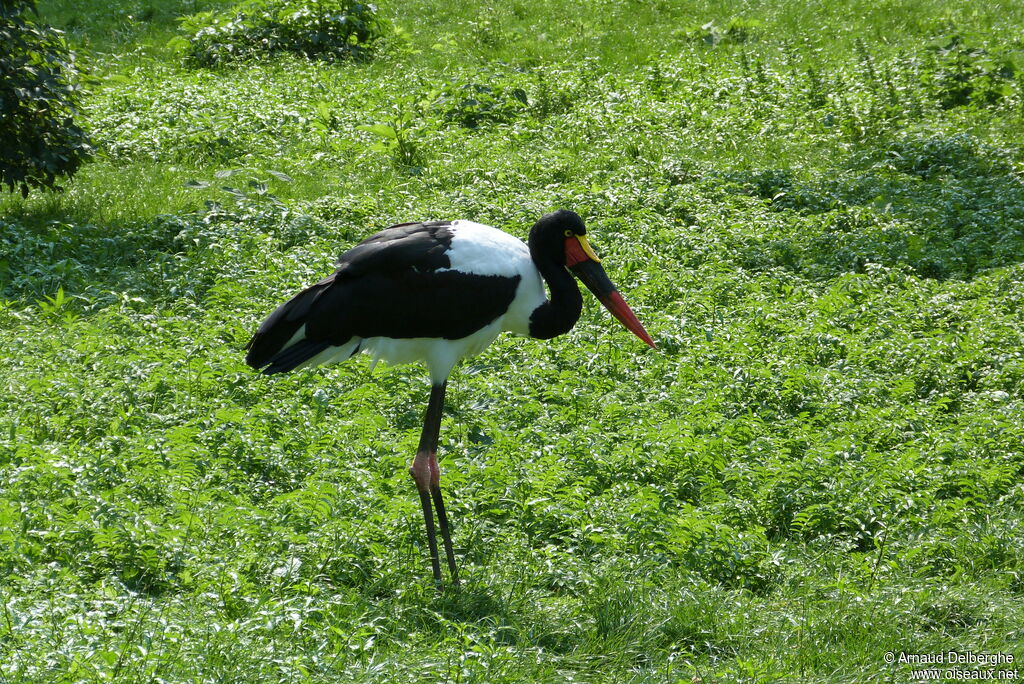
{"x":388,"y":285}
{"x":419,"y":246}
{"x":274,"y":334}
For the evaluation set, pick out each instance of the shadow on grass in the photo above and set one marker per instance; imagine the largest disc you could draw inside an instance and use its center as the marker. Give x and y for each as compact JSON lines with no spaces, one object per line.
{"x":473,"y":601}
{"x":191,"y":256}
{"x":946,"y":207}
{"x":47,"y":249}
{"x":122,"y":21}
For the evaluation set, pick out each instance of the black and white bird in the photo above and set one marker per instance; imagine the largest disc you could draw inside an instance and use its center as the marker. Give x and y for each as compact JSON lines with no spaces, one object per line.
{"x":439,"y":292}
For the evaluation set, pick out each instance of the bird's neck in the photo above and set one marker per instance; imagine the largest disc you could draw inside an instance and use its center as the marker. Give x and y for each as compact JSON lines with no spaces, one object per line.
{"x":557,"y":315}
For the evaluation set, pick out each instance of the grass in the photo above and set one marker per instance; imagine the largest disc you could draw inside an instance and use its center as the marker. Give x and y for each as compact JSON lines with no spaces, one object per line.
{"x":816,"y":210}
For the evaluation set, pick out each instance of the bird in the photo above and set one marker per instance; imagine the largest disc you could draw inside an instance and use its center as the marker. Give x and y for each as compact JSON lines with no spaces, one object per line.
{"x":438,"y":292}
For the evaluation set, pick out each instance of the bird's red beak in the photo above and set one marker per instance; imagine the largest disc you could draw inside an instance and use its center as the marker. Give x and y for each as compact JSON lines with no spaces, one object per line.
{"x":583,"y":261}
{"x":614,"y":302}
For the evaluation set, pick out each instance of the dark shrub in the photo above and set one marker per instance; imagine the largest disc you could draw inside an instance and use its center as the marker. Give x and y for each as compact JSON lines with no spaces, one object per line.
{"x":38,"y":100}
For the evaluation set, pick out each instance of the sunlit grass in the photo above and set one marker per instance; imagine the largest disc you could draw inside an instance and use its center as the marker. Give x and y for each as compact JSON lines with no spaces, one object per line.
{"x":816,"y":210}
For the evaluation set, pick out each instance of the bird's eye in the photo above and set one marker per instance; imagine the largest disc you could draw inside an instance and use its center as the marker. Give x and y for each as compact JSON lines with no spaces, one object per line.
{"x":569,"y":233}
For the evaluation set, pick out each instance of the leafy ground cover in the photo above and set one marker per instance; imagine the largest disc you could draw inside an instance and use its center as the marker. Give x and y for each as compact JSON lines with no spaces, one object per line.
{"x":816,"y":210}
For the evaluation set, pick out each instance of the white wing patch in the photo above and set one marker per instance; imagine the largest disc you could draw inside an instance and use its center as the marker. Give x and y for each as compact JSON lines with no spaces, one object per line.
{"x":484,"y":250}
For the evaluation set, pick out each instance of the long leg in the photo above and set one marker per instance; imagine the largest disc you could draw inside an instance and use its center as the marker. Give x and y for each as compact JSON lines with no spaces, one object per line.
{"x":446,"y":536}
{"x":428,"y":517}
{"x":427,"y":474}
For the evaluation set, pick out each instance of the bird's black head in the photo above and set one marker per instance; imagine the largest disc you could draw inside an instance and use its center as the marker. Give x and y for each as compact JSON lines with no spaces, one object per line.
{"x":547,"y":237}
{"x":560,"y":238}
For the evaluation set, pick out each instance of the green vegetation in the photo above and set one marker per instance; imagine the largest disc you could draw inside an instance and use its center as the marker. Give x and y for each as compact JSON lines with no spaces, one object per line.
{"x":816,"y":209}
{"x":253,"y":28}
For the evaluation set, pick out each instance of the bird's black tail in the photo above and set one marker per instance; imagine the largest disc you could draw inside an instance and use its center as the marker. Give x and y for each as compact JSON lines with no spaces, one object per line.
{"x":273,"y":347}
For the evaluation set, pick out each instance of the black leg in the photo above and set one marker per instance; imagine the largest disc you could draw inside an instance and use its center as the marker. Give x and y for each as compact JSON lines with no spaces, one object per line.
{"x":428,"y":517}
{"x":427,"y":475}
{"x":446,"y":537}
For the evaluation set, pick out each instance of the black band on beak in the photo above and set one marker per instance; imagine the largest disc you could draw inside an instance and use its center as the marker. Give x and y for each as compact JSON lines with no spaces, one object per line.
{"x":593,"y":276}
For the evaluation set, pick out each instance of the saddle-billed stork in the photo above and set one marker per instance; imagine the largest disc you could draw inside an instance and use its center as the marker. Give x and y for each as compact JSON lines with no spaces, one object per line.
{"x":437,"y":292}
